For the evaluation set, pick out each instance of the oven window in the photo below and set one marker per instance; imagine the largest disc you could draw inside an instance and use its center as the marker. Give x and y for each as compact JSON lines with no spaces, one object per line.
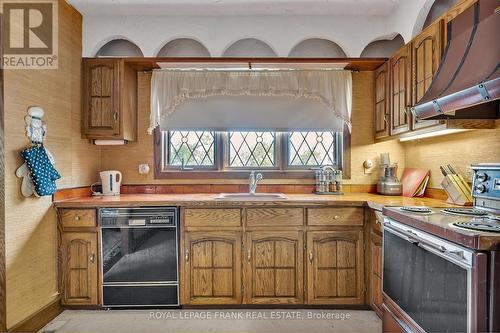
{"x":139,"y":255}
{"x":430,"y":289}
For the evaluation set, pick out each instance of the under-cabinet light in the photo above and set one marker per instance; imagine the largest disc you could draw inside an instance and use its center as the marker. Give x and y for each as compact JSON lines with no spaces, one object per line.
{"x":110,"y":142}
{"x":432,"y":134}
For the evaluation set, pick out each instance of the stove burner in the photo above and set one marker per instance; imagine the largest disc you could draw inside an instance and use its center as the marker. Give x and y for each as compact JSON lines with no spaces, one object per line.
{"x":483,"y":225}
{"x":465,"y":211}
{"x":423,"y":210}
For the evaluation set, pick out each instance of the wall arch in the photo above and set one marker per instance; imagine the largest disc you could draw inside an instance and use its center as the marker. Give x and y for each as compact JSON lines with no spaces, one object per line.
{"x":249,"y":47}
{"x":183,"y":47}
{"x":317,"y":48}
{"x":119,"y":47}
{"x":383,"y":47}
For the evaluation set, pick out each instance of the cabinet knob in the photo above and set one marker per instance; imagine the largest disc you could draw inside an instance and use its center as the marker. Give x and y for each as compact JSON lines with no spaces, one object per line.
{"x":186,"y":256}
{"x":77,"y":217}
{"x":336,"y":217}
{"x":92,"y":257}
{"x":311,"y":257}
{"x":249,"y":254}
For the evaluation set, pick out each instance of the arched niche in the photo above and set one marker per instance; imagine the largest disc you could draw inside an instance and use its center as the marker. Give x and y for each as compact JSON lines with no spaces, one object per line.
{"x":251,"y":48}
{"x":317,"y":48}
{"x":438,"y":8}
{"x":119,"y":48}
{"x":183,"y":47}
{"x":383,"y":48}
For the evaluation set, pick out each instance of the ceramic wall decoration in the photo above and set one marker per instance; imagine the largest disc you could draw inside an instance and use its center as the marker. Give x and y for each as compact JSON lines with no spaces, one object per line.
{"x":37,"y":172}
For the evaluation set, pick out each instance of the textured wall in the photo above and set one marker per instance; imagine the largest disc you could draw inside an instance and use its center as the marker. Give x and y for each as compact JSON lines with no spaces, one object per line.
{"x":460,"y":150}
{"x":31,"y":222}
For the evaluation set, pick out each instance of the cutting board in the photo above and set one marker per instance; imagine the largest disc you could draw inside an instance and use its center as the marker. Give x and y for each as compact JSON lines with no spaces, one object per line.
{"x":414,"y":181}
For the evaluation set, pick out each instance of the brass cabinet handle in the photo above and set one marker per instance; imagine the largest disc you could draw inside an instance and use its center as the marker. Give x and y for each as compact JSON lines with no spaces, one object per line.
{"x":311,"y":256}
{"x":249,"y":254}
{"x":92,"y":257}
{"x":77,"y":217}
{"x":187,"y":255}
{"x":115,"y":116}
{"x":336,"y":217}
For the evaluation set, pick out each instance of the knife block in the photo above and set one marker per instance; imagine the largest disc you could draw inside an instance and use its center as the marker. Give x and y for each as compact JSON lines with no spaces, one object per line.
{"x":455,"y":195}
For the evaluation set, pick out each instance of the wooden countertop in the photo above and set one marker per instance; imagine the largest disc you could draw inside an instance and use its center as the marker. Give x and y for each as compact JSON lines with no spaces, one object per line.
{"x":374,"y":201}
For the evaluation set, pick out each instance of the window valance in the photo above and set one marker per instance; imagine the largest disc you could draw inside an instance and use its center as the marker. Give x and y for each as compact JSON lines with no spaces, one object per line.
{"x":280,"y":100}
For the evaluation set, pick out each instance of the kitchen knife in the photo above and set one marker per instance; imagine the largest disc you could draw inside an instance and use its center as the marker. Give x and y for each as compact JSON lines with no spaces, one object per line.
{"x":461,"y":186}
{"x":462,"y":181}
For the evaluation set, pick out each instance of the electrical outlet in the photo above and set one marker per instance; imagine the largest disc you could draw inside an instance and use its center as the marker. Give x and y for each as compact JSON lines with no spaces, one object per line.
{"x":143,"y":169}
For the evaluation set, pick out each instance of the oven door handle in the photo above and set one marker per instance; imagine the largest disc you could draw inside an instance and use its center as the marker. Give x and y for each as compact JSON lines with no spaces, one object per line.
{"x":456,"y":256}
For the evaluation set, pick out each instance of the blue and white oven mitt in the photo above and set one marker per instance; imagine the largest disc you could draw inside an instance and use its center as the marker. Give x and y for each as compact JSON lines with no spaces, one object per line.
{"x":42,"y":171}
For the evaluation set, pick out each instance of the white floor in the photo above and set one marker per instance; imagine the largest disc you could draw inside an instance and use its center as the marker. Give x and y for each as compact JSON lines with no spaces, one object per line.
{"x":217,"y":321}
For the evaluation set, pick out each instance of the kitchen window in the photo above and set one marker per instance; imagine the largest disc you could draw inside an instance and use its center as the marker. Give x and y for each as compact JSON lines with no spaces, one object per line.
{"x":180,"y":154}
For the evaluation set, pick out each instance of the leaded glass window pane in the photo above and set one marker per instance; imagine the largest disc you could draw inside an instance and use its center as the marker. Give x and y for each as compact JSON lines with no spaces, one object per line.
{"x":196,"y":148}
{"x":312,"y":148}
{"x":252,"y":149}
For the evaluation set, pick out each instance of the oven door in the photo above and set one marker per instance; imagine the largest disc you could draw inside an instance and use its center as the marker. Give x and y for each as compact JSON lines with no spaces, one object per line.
{"x":139,"y":255}
{"x":431,"y":280}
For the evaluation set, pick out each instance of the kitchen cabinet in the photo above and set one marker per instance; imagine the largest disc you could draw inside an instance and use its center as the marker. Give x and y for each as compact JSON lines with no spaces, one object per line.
{"x":109,"y":103}
{"x":427,"y":48}
{"x":273,"y":267}
{"x":376,"y":273}
{"x":79,"y":280}
{"x":382,"y":102}
{"x":335,"y":261}
{"x":212,"y":267}
{"x":400,"y":90}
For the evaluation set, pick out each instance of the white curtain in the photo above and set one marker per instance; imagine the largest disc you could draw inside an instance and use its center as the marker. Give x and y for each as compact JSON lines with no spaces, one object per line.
{"x":171,"y":88}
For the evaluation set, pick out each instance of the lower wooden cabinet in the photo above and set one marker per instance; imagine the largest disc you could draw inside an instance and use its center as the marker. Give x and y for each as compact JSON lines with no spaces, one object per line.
{"x":273,"y":267}
{"x":212,"y":268}
{"x":79,"y":271}
{"x":376,"y":274}
{"x":335,"y":267}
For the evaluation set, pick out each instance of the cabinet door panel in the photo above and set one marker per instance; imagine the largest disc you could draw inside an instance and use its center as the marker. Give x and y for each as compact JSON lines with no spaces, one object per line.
{"x":335,"y":267}
{"x":382,"y":105}
{"x":376,"y":273}
{"x":400,"y":91}
{"x":79,"y":268}
{"x":426,"y":55}
{"x":100,"y":98}
{"x":211,"y":268}
{"x":273,"y":267}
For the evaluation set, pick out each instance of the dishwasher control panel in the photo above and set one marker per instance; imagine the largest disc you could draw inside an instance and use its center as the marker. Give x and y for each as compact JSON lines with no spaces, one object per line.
{"x":138,"y":217}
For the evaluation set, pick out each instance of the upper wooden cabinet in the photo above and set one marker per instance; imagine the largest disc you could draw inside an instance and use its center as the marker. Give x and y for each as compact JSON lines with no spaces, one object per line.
{"x":211,"y":269}
{"x":79,"y":279}
{"x":273,"y":267}
{"x":400,"y":90}
{"x":109,"y":103}
{"x":335,"y":267}
{"x":382,"y":102}
{"x":427,"y":49}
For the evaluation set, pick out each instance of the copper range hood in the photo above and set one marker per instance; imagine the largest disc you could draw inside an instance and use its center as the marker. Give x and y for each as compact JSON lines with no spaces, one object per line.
{"x":467,"y":83}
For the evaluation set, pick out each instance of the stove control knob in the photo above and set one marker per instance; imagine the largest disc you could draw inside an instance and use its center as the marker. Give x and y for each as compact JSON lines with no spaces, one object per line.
{"x":480,"y":188}
{"x":481,"y":176}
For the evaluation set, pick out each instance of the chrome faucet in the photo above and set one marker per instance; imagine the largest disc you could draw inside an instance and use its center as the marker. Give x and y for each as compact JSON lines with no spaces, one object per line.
{"x":253,"y":180}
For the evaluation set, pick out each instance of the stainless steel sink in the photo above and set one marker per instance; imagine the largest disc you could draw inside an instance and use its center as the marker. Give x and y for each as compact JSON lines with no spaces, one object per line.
{"x":251,"y":196}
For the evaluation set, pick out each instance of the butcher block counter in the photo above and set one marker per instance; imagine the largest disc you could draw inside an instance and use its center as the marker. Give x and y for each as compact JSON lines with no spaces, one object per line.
{"x":373,"y":201}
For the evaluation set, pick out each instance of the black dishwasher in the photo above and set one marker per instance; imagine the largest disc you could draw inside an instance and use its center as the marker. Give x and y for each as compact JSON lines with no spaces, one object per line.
{"x":139,"y":249}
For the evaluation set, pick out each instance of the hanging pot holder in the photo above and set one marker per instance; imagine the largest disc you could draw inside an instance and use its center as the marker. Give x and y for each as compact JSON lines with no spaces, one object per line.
{"x":41,"y":169}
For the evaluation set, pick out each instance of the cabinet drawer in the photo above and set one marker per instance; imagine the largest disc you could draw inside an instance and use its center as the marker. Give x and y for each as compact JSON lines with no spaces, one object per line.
{"x":72,"y":218}
{"x":335,"y":216}
{"x":275,"y":217}
{"x":199,"y":217}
